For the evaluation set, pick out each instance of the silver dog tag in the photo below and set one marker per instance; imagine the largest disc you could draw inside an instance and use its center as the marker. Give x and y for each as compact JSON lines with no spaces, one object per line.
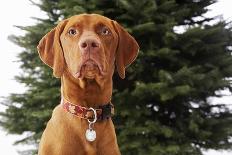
{"x":90,"y":135}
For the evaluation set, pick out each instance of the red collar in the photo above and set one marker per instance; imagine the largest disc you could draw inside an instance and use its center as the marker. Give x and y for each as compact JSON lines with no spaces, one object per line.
{"x":103,"y":112}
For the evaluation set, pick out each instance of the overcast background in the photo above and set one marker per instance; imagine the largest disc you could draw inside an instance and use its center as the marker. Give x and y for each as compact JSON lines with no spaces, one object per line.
{"x":19,"y":12}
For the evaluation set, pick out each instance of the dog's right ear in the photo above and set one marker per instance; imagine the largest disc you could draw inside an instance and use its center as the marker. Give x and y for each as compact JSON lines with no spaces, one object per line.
{"x":50,"y":49}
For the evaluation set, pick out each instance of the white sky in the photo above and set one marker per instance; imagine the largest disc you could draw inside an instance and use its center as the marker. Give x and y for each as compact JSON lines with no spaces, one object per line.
{"x":19,"y":12}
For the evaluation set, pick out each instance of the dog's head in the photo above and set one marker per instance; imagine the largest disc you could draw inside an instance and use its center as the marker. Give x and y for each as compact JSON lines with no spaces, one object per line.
{"x":88,"y":46}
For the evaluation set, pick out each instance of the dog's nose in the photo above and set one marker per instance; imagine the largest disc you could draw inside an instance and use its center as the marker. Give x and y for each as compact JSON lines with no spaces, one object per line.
{"x":89,"y":44}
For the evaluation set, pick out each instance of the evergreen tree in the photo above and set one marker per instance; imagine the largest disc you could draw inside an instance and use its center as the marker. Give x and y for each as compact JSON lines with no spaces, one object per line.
{"x":162,"y":106}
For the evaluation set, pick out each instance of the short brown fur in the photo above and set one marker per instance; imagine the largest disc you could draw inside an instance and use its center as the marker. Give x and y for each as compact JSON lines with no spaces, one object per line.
{"x":86,"y":80}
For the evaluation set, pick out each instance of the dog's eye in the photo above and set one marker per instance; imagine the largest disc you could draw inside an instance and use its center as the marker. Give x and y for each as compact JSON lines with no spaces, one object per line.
{"x":72,"y":31}
{"x":105,"y":31}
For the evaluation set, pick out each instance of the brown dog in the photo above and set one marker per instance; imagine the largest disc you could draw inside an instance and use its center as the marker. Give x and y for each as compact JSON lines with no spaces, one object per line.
{"x":83,"y":51}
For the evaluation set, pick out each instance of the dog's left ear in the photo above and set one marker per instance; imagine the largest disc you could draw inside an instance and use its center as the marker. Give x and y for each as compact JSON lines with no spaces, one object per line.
{"x":50,"y":50}
{"x":127,"y":49}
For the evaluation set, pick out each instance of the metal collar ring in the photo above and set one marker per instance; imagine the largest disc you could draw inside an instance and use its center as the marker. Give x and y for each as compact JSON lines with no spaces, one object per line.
{"x":95,"y":116}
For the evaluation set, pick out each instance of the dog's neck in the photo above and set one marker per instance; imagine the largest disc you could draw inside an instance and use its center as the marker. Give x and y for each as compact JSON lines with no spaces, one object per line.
{"x":86,"y":92}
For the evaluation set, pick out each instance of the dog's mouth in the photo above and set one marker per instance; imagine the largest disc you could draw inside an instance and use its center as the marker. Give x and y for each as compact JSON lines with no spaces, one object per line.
{"x":89,"y":69}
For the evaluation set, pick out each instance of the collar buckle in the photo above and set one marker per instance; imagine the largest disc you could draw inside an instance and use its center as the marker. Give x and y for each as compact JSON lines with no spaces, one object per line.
{"x":107,"y":111}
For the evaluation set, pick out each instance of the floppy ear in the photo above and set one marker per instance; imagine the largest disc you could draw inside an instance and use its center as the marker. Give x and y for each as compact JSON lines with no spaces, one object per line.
{"x":50,"y":50}
{"x":127,"y":49}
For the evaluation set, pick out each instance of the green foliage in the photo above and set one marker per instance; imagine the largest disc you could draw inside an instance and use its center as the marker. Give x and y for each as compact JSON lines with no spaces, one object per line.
{"x":162,"y":106}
